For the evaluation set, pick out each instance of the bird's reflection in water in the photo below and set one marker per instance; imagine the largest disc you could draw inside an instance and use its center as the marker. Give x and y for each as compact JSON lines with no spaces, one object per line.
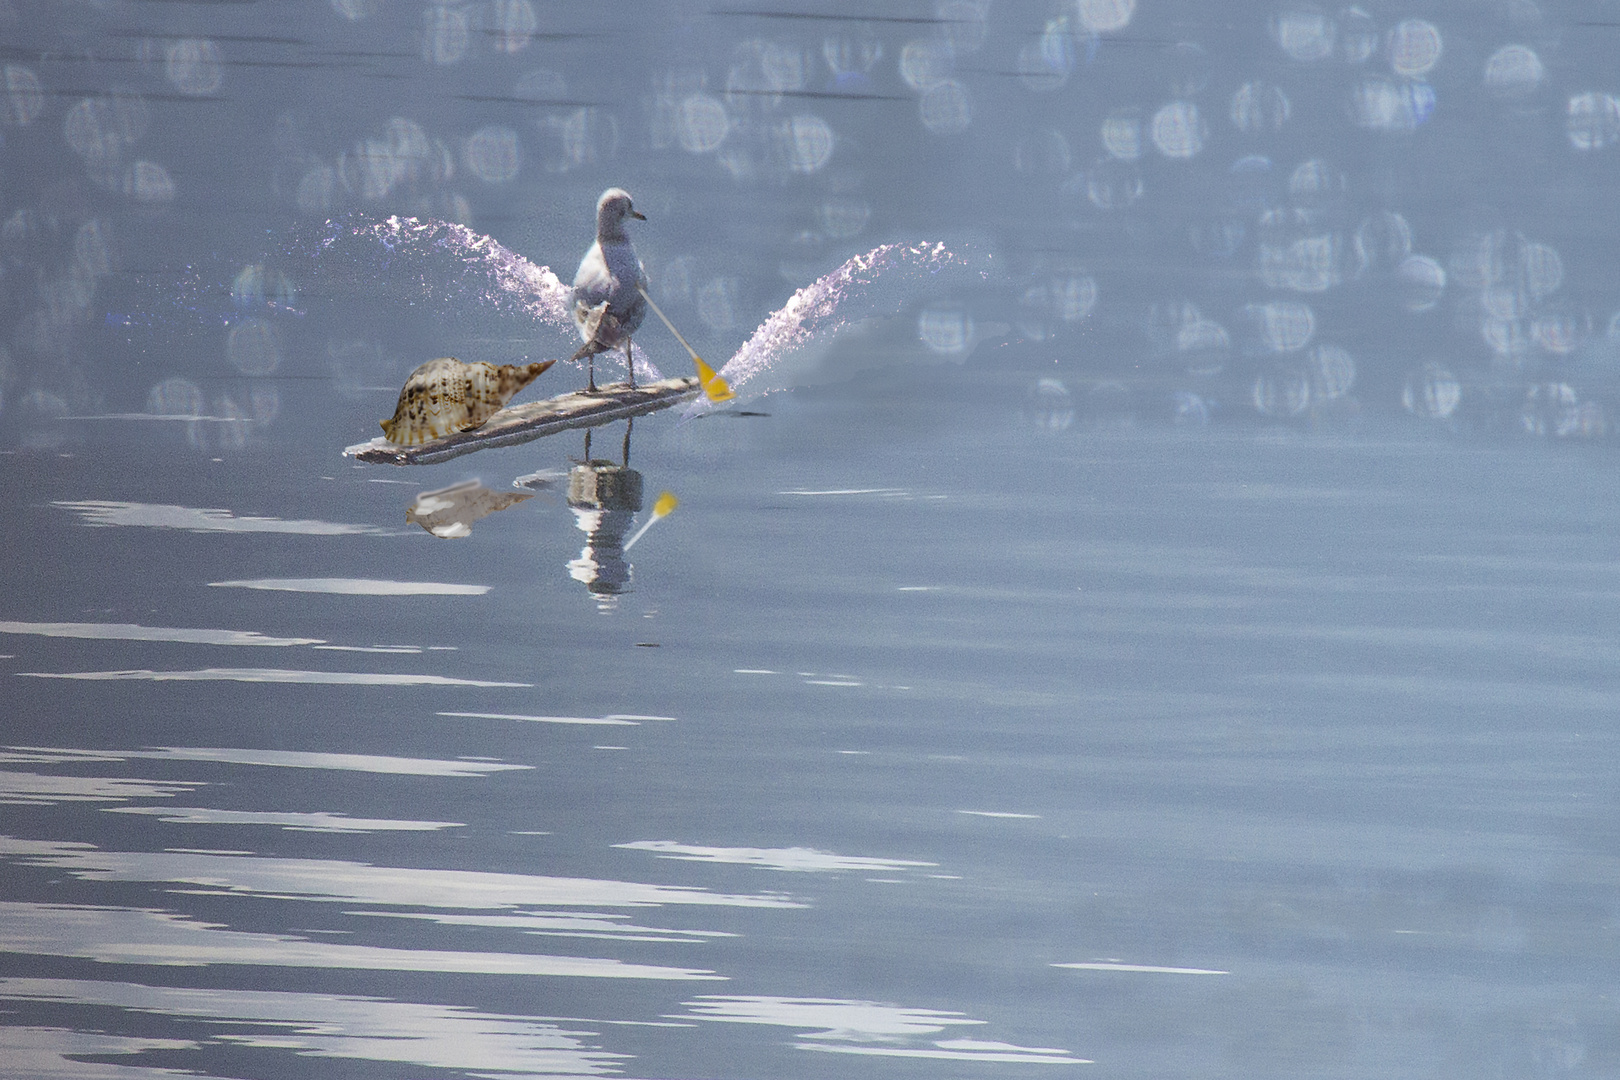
{"x":449,"y":512}
{"x":605,"y":499}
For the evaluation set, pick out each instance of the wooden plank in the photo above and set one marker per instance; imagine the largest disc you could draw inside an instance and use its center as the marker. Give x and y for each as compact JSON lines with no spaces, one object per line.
{"x":535,"y":419}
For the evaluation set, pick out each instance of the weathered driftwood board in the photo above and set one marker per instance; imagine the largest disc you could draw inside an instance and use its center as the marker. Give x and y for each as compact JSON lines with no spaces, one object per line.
{"x":535,"y":419}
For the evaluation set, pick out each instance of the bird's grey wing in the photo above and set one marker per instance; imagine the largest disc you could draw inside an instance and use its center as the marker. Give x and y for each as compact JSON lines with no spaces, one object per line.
{"x":593,"y":283}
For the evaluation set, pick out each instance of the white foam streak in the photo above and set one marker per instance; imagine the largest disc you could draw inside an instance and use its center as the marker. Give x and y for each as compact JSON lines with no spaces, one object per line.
{"x":116,"y":935}
{"x":46,"y":1052}
{"x":1151,"y":969}
{"x":351,"y":882}
{"x":1000,"y":814}
{"x":354,"y":587}
{"x":585,"y":924}
{"x":305,"y":759}
{"x":100,"y":512}
{"x":826,"y":1018}
{"x":1014,"y":1054}
{"x":318,"y":821}
{"x":135,"y":632}
{"x":449,"y":1037}
{"x":870,"y":1027}
{"x":271,"y":675}
{"x":796,"y":859}
{"x":595,"y":720}
{"x":38,"y":789}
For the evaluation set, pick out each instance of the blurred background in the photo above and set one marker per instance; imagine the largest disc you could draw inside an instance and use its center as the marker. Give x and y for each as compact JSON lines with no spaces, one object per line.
{"x":1279,"y":214}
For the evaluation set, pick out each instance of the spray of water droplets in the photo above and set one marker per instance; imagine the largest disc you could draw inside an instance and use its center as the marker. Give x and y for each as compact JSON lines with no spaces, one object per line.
{"x":470,"y":280}
{"x":879,"y":282}
{"x":496,"y":275}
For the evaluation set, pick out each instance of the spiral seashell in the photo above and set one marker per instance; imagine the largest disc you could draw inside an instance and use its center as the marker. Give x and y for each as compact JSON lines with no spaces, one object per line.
{"x":444,"y":396}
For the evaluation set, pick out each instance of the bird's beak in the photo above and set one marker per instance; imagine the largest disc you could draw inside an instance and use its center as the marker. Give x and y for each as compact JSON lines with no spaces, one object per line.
{"x":638,"y":215}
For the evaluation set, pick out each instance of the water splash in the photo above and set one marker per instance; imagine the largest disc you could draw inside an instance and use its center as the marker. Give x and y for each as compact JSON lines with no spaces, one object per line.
{"x":493,"y":274}
{"x":799,"y":333}
{"x":451,"y":267}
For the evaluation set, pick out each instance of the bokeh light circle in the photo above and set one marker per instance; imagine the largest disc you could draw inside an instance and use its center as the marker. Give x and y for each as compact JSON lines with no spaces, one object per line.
{"x":194,"y":66}
{"x":1414,"y":48}
{"x":946,"y":108}
{"x":1178,"y":130}
{"x":1592,"y":121}
{"x":1259,"y":108}
{"x":701,"y":124}
{"x":1104,"y":16}
{"x":1422,"y":282}
{"x":1432,"y":393}
{"x":492,"y":154}
{"x":807,"y":142}
{"x":1306,"y":34}
{"x":1514,"y":71}
{"x":1122,"y":135}
{"x":252,"y":347}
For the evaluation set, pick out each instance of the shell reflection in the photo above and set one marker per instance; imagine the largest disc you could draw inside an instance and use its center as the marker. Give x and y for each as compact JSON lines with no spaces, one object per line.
{"x":444,"y":396}
{"x":449,"y":513}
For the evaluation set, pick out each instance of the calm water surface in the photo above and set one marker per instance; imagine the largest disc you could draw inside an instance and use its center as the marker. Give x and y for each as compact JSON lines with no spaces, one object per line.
{"x":1166,"y":630}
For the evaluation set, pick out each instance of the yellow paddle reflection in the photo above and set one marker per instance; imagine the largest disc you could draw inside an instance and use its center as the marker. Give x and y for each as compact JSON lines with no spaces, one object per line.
{"x":666,"y":502}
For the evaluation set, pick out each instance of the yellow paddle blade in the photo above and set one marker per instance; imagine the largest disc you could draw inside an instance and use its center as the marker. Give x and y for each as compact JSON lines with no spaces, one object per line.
{"x":713,"y":385}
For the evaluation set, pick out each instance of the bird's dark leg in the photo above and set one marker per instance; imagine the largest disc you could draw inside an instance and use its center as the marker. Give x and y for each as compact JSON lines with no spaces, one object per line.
{"x":631,"y":361}
{"x":590,"y":366}
{"x":628,"y":425}
{"x":587,"y":446}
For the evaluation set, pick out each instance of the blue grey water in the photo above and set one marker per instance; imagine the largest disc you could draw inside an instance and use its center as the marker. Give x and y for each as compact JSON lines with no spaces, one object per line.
{"x":1150,"y":614}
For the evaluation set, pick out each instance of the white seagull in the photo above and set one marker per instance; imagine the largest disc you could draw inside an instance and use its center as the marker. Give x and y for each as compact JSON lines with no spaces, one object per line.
{"x":608,"y":289}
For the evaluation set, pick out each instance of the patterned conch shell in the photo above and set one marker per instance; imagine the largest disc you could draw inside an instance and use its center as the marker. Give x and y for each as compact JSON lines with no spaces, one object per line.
{"x":445,"y":396}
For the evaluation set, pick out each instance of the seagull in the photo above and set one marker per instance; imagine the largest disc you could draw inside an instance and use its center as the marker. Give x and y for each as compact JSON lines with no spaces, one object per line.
{"x":608,"y":289}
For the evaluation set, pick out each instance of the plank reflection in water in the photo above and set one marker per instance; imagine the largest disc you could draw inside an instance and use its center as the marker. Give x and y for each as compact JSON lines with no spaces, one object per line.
{"x":605,"y":499}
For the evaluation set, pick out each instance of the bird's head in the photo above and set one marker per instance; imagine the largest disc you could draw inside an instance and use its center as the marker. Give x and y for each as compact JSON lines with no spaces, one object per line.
{"x":611,"y":210}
